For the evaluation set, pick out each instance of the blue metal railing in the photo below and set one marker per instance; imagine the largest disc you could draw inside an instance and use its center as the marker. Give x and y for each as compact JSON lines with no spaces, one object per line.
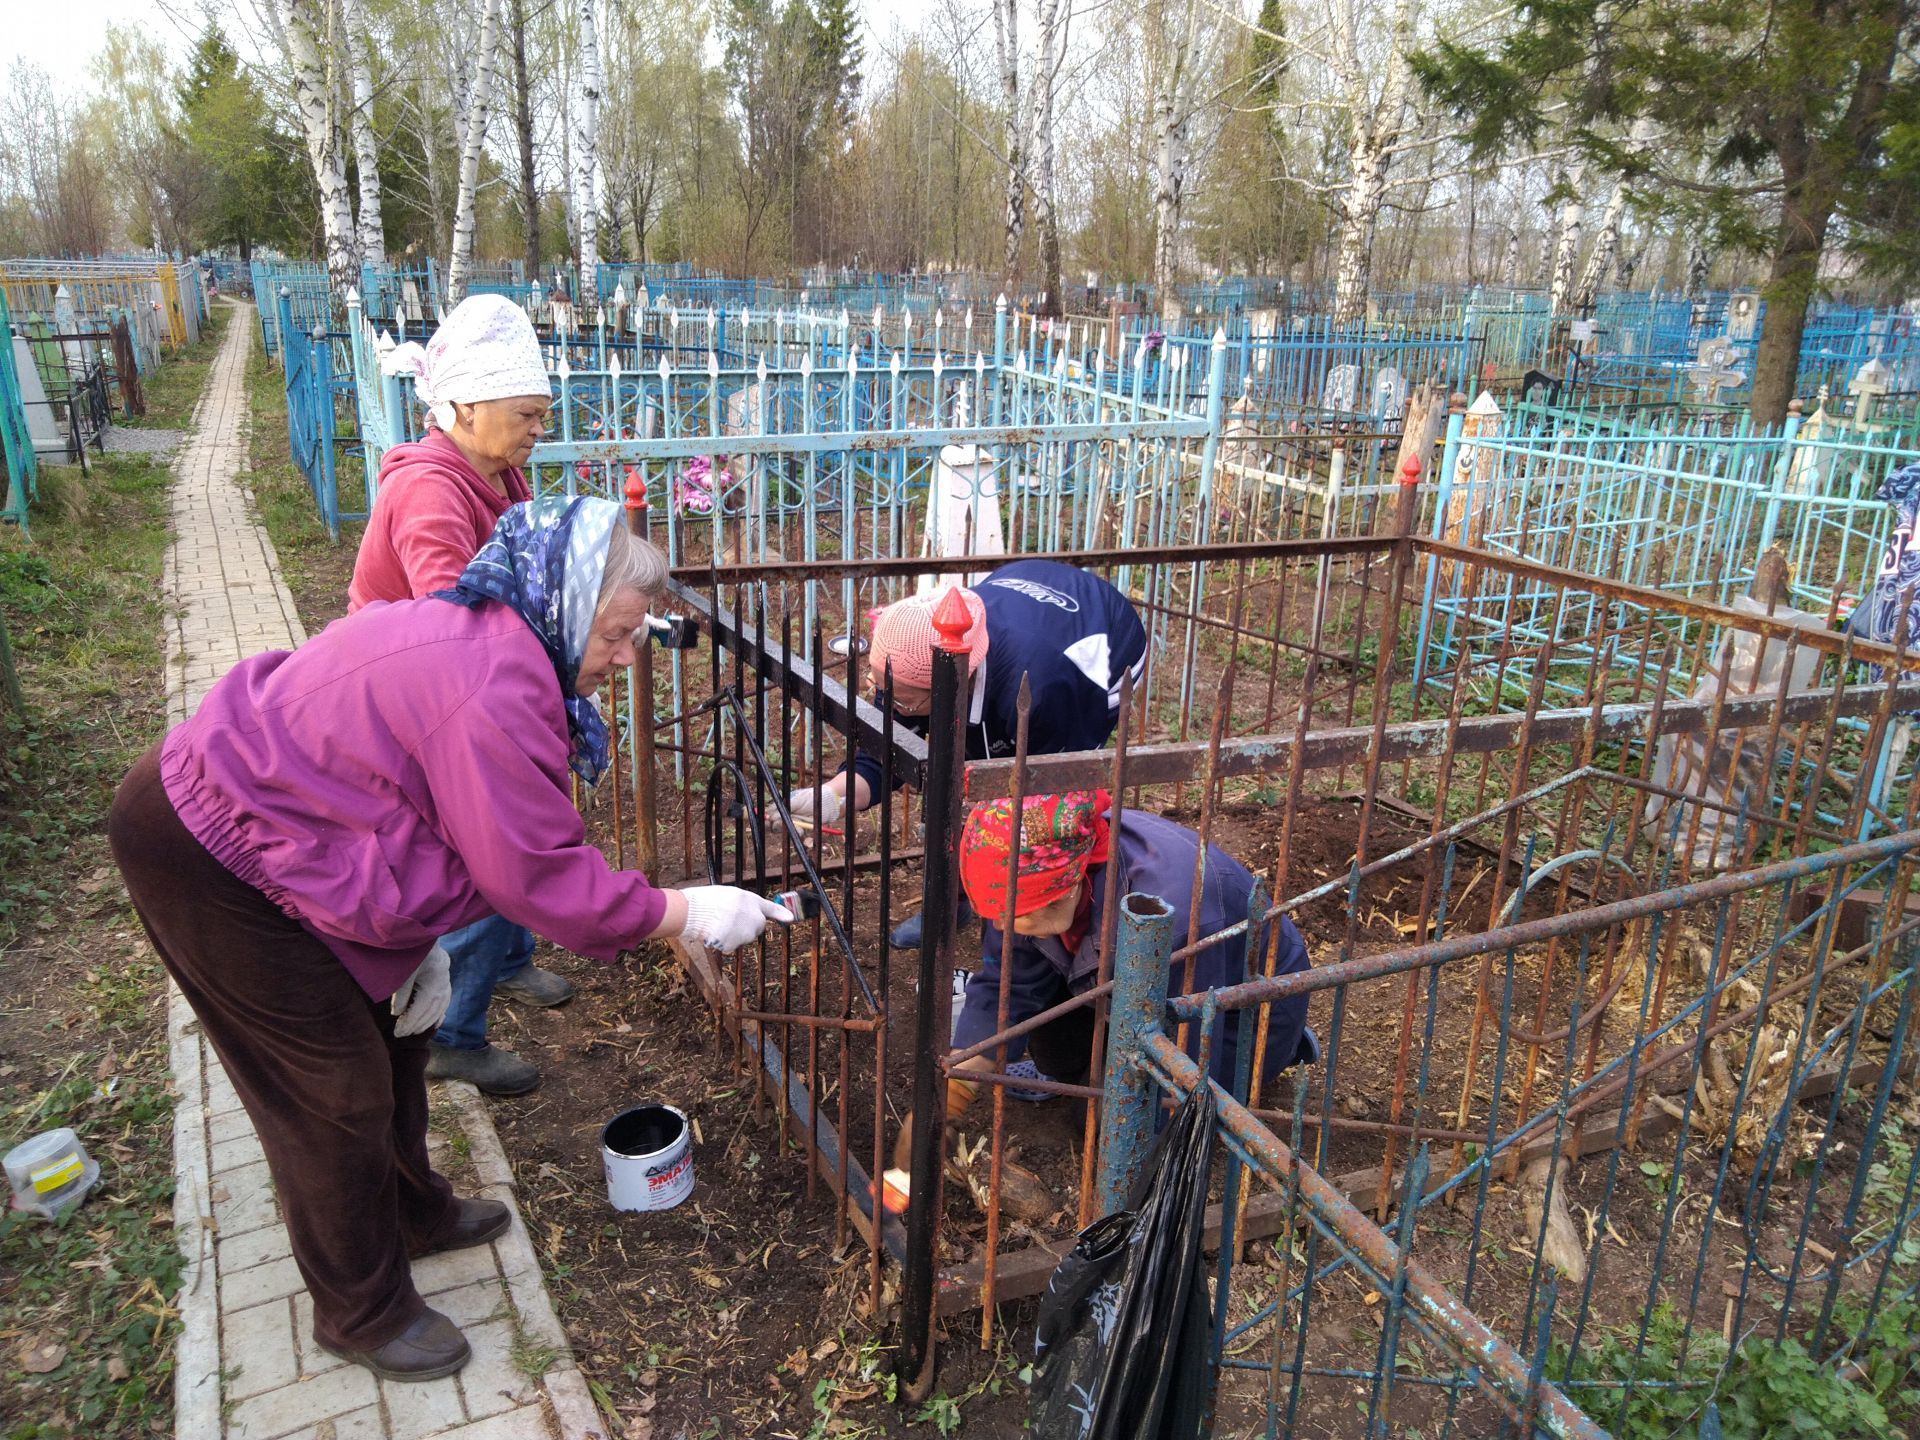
{"x":16,"y":441}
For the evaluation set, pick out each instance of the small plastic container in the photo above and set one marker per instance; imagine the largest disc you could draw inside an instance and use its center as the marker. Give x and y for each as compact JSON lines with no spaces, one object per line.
{"x":50,"y":1173}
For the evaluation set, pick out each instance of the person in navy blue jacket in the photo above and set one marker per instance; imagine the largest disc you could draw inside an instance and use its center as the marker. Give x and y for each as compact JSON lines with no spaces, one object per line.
{"x":1067,"y":844}
{"x":1072,"y":635}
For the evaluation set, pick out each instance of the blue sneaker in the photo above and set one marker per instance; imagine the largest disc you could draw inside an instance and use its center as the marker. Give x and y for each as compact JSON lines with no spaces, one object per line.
{"x":1024,"y":1069}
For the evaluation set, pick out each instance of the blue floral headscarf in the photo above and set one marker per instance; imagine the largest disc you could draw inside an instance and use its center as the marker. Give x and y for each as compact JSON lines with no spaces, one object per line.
{"x":545,"y":559}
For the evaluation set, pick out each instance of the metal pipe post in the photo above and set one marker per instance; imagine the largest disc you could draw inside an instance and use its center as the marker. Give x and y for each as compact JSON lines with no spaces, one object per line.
{"x":1143,"y":952}
{"x":321,"y":369}
{"x":283,"y":326}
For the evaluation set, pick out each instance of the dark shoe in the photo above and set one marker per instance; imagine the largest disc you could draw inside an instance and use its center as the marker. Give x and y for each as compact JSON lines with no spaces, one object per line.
{"x":492,"y":1070}
{"x":908,"y":933}
{"x":534,"y":986}
{"x":429,"y":1348}
{"x":478,"y":1222}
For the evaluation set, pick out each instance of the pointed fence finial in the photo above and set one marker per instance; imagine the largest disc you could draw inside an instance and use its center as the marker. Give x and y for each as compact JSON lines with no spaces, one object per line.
{"x":952,"y":620}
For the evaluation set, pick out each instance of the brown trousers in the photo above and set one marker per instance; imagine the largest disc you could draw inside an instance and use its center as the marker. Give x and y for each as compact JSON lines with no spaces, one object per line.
{"x":340,"y":1103}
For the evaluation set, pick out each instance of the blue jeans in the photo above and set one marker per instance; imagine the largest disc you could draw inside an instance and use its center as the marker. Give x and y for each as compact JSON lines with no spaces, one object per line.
{"x":483,"y":954}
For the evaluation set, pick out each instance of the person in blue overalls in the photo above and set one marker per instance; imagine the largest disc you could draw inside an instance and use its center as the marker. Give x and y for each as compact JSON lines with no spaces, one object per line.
{"x":1067,"y":845}
{"x":1072,"y":635}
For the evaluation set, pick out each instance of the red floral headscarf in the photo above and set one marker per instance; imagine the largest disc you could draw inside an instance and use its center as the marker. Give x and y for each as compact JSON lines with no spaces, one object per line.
{"x":1061,"y":836}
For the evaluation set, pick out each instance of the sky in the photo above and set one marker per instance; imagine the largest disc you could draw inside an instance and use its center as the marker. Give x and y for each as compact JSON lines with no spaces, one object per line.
{"x":62,"y":38}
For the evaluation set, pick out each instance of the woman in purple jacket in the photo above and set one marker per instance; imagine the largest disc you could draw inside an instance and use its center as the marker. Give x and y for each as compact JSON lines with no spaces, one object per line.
{"x":296,"y":848}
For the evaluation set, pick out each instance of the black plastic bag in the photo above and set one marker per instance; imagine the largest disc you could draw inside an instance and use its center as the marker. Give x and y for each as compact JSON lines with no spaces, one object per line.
{"x":1125,"y":1338}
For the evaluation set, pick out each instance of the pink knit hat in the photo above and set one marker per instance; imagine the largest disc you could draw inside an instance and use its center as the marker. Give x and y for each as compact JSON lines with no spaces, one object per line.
{"x":903,"y":633}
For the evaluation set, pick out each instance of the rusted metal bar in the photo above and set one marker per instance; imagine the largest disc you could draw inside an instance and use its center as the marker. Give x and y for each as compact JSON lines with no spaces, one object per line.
{"x":1430,"y":880}
{"x":882,"y":917}
{"x":1026,"y":1027}
{"x":852,"y":1024}
{"x":1529,"y":932}
{"x":1026,"y":1273}
{"x":1500,"y":1368}
{"x":1170,"y":763}
{"x":825,"y":1158}
{"x":903,"y":567}
{"x":646,"y":823}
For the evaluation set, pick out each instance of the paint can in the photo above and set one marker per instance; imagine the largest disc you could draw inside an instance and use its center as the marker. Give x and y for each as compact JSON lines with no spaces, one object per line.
{"x":648,"y":1152}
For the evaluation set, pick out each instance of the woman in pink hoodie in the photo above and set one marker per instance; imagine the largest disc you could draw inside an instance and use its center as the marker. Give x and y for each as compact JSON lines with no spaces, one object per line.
{"x":485,"y":386}
{"x":297,"y":848}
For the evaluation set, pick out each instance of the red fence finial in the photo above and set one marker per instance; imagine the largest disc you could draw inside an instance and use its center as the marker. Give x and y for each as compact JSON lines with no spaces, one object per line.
{"x":636,"y":501}
{"x":1410,"y":470}
{"x":952,"y":619}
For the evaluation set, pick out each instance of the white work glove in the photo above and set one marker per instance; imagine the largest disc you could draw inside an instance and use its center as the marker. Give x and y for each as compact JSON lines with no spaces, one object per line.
{"x":723,"y":918}
{"x":832,"y":805}
{"x":420,"y":1004}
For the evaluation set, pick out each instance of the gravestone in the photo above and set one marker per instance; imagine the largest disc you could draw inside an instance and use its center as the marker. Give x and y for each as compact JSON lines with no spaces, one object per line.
{"x":1389,"y":394}
{"x":1743,"y":315}
{"x":41,"y":426}
{"x":1341,"y":391}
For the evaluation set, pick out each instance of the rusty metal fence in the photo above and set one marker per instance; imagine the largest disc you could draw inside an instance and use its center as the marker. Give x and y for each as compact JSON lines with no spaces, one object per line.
{"x":1614,"y":997}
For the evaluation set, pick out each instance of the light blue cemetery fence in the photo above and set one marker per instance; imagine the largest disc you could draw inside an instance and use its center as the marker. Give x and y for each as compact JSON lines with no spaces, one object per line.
{"x":1689,"y":514}
{"x":1689,"y":510}
{"x":16,"y":441}
{"x":305,"y":290}
{"x":323,"y":425}
{"x":1321,"y":373}
{"x":395,"y":296}
{"x":813,"y":452}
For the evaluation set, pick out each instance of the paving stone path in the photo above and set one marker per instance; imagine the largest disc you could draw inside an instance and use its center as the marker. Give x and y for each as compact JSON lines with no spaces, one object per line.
{"x":247,"y":1366}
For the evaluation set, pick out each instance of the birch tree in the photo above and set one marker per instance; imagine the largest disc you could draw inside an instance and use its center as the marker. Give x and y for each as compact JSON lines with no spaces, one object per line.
{"x":366,"y":156}
{"x":586,"y":153}
{"x":473,"y":138}
{"x":523,"y":137}
{"x":1006,"y":48}
{"x":1378,"y":121}
{"x":301,"y":28}
{"x":1046,"y":213}
{"x":1606,"y":242}
{"x":1699,"y":265}
{"x":1170,"y":119}
{"x":1569,"y":221}
{"x":1363,"y":88}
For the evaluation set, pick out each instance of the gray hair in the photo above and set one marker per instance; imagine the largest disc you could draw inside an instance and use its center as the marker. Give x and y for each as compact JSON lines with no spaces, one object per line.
{"x":632,"y":564}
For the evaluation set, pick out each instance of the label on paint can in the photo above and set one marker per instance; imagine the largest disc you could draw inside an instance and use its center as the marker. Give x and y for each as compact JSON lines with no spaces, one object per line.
{"x":662,"y":1178}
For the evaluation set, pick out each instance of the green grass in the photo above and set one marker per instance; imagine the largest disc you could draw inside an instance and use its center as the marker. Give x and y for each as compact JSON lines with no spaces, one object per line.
{"x":99,"y":1282}
{"x":82,"y":1039}
{"x":82,"y":605}
{"x":174,"y":389}
{"x":1763,"y":1389}
{"x":315,"y":568}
